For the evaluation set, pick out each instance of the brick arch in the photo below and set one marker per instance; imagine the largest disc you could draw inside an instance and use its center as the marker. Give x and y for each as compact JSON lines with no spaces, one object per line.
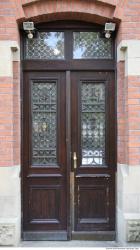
{"x":68,"y":16}
{"x":52,"y":10}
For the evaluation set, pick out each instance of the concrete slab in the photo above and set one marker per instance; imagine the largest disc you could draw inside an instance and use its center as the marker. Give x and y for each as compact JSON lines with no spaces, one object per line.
{"x":73,"y":243}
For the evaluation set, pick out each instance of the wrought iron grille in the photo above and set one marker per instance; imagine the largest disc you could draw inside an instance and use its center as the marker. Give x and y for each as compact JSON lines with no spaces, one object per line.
{"x":47,"y":45}
{"x":44,"y":122}
{"x":93,"y":123}
{"x":90,"y":45}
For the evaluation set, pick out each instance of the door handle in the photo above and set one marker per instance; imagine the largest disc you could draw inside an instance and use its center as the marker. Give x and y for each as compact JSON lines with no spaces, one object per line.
{"x":75,"y":160}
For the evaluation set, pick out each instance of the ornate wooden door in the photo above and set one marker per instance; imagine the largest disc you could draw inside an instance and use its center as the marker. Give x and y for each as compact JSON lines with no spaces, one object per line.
{"x":68,"y":134}
{"x":46,"y":175}
{"x":93,"y":150}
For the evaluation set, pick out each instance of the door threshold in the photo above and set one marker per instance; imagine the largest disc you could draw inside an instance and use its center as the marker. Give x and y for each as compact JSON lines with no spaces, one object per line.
{"x":45,"y":236}
{"x":72,"y":243}
{"x":94,"y":235}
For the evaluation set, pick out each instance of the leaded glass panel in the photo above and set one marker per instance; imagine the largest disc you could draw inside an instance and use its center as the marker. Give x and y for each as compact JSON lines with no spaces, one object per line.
{"x":93,"y":123}
{"x":90,"y":45}
{"x":44,"y":122}
{"x":47,"y":45}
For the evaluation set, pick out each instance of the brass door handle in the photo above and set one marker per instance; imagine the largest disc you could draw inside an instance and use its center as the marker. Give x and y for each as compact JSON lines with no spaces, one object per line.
{"x":75,"y":160}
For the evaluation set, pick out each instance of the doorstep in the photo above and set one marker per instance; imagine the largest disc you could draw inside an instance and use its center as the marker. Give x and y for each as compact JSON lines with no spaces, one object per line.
{"x":72,"y":243}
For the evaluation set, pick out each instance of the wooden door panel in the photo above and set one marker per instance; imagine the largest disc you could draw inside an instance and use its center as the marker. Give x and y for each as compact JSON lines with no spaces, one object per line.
{"x":48,"y":210}
{"x":93,"y":203}
{"x":46,"y":200}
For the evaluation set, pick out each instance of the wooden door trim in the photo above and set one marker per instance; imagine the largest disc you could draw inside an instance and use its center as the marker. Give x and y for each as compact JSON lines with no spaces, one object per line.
{"x":69,"y":65}
{"x":68,"y":145}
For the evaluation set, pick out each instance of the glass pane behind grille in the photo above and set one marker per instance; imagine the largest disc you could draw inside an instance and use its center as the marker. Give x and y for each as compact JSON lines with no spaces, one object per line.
{"x":93,"y":123}
{"x":90,"y":45}
{"x":47,"y":45}
{"x":44,"y":122}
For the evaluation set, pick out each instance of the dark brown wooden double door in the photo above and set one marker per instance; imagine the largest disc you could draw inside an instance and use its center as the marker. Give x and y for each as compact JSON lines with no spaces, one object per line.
{"x":68,"y":155}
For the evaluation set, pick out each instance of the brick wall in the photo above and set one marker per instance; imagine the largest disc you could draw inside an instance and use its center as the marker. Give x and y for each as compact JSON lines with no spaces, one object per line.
{"x":6,"y":121}
{"x":8,"y":24}
{"x":9,"y":87}
{"x":121,"y":114}
{"x":133,"y":120}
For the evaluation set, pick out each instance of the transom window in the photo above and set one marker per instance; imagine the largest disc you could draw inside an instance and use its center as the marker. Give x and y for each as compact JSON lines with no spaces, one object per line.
{"x":61,"y":45}
{"x":90,"y":45}
{"x":47,"y":45}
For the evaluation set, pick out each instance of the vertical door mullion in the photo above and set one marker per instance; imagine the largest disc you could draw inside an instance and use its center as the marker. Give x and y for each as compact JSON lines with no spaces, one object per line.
{"x":68,"y":45}
{"x":68,"y":144}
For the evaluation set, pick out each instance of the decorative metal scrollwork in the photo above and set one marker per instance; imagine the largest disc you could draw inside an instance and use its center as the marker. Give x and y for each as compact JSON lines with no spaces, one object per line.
{"x":47,"y":45}
{"x":93,"y":123}
{"x":44,"y":122}
{"x":91,"y":45}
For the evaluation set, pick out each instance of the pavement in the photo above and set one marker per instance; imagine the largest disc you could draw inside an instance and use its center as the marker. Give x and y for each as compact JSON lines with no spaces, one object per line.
{"x":72,"y":243}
